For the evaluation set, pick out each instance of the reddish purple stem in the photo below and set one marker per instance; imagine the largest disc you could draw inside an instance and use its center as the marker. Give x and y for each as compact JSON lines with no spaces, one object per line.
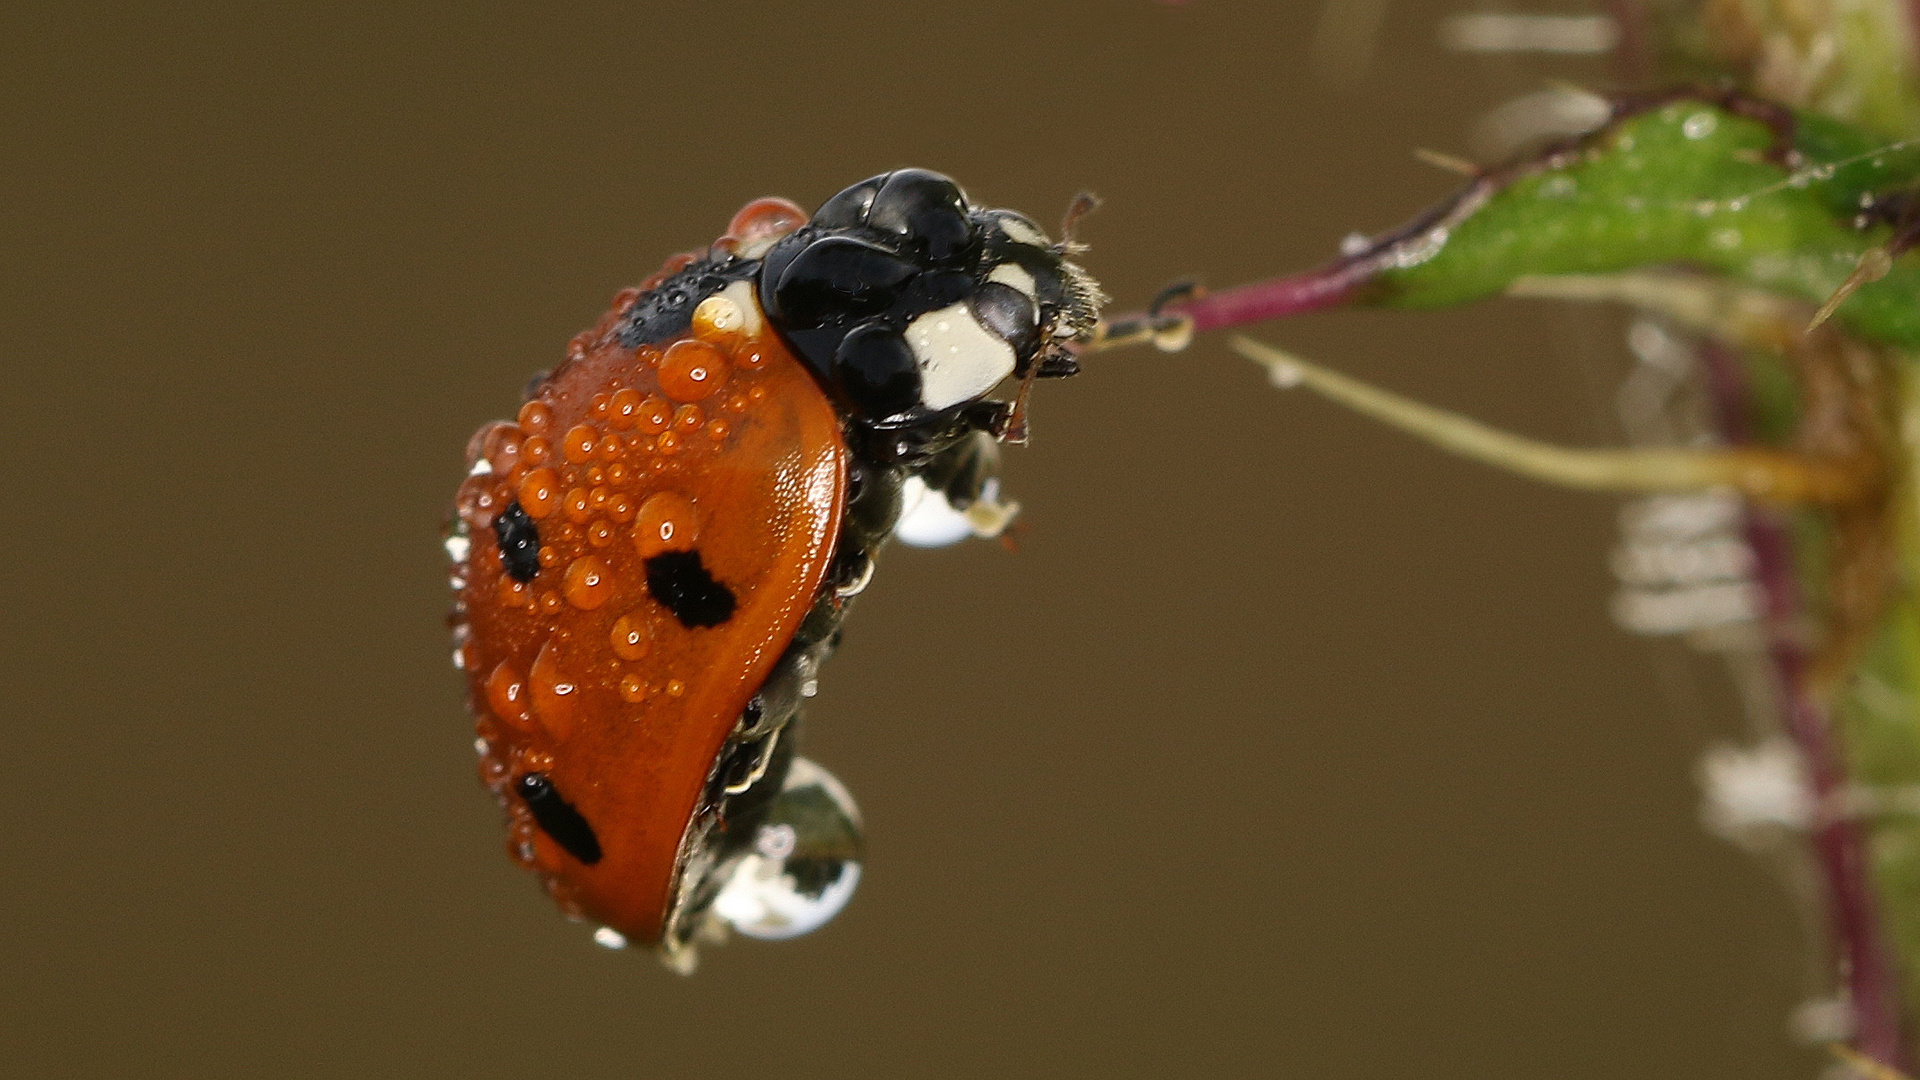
{"x":1913,"y":25}
{"x":1858,"y":937}
{"x":1278,"y":297}
{"x":1354,"y":276}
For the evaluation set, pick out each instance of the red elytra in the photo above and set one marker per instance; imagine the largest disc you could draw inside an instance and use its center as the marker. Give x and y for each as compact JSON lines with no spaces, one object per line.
{"x":655,"y":557}
{"x":580,"y":678}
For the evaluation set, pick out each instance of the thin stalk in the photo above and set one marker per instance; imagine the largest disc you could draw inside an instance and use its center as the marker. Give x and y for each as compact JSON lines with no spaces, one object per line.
{"x":1760,"y":473}
{"x":1859,"y":939}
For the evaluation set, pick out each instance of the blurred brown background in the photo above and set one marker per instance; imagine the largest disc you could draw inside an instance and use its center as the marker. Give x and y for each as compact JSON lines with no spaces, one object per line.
{"x":1283,"y":746}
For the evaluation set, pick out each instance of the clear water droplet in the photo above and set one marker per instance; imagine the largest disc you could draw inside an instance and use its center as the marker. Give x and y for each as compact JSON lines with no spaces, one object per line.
{"x":805,"y":861}
{"x":1699,"y":125}
{"x":927,"y":519}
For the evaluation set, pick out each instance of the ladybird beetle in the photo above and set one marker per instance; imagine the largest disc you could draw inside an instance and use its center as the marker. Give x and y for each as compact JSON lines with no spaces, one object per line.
{"x":653,"y":558}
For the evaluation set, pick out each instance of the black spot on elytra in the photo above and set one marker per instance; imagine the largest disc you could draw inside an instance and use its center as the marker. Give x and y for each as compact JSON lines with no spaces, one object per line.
{"x":680,"y":581}
{"x":558,"y":818}
{"x":519,"y":542}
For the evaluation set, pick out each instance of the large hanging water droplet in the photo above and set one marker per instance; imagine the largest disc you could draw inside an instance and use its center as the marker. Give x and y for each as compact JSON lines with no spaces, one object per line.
{"x":805,"y":861}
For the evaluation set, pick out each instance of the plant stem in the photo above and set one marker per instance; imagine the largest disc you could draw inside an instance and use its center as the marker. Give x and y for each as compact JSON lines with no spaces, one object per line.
{"x":1758,"y":472}
{"x":1859,"y":940}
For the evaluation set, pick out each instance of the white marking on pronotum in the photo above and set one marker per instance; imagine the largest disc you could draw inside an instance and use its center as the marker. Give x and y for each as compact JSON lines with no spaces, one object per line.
{"x":1014,"y":276}
{"x":959,"y":360}
{"x":743,"y":297}
{"x":1020,"y":232}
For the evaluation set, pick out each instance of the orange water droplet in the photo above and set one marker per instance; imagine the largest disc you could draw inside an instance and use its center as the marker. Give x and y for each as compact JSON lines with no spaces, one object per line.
{"x":579,"y":443}
{"x":765,"y":219}
{"x":655,"y":414}
{"x":588,"y":583}
{"x":536,"y":418}
{"x":692,"y":370}
{"x":578,"y":505}
{"x":717,"y":430}
{"x":718,"y":320}
{"x":647,"y":355}
{"x":477,"y":443}
{"x":536,"y":450}
{"x":478,"y":501}
{"x":599,"y":404}
{"x":600,"y":534}
{"x":753,"y":359}
{"x":623,"y":410}
{"x":668,"y":443}
{"x":520,"y":843}
{"x":507,"y":696}
{"x":539,"y":492}
{"x":736,"y":403}
{"x":688,"y":418}
{"x":493,"y":772}
{"x":620,"y":507}
{"x":617,"y":473}
{"x":675,"y":688}
{"x":514,"y":594}
{"x":632,"y":689}
{"x":502,"y":447}
{"x":666,"y":522}
{"x":556,"y":698}
{"x":550,"y":603}
{"x":630,"y":637}
{"x":608,"y":448}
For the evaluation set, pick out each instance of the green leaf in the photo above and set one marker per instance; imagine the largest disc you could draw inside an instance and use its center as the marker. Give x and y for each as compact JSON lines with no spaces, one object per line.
{"x":1782,"y":201}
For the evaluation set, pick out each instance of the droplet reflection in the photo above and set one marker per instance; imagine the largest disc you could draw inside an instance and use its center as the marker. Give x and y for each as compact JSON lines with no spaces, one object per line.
{"x":805,"y":861}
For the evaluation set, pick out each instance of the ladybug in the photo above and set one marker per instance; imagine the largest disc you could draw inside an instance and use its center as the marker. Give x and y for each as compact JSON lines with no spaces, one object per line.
{"x":654,"y":557}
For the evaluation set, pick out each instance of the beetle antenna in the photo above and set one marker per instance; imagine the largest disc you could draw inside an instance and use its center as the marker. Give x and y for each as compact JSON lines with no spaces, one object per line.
{"x":1084,"y":203}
